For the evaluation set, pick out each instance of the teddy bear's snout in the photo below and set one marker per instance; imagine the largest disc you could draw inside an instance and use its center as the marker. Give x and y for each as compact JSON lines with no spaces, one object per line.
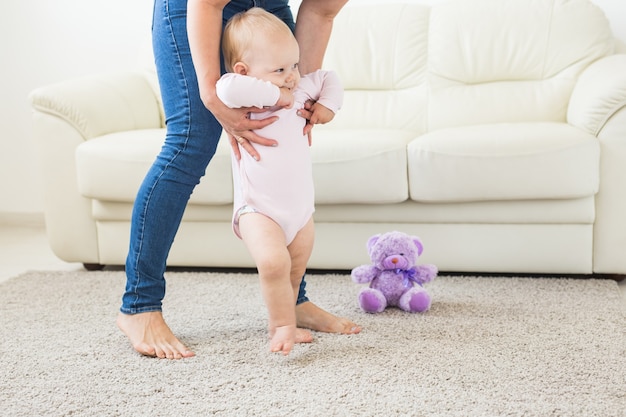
{"x":395,"y":262}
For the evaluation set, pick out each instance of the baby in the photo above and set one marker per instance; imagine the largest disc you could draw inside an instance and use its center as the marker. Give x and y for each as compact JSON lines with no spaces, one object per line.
{"x":274,"y":196}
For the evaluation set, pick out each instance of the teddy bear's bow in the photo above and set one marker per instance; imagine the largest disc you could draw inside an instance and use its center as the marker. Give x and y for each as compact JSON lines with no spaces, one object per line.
{"x":409,"y":276}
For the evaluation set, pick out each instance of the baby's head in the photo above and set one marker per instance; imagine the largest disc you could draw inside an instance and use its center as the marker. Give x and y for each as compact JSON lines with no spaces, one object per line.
{"x":258,"y":44}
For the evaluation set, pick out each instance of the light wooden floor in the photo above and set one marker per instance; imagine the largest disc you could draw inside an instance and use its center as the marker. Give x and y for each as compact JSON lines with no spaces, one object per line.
{"x":24,"y":247}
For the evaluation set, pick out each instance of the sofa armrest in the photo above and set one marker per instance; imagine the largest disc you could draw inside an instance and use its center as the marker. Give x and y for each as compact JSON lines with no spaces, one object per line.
{"x":104,"y":103}
{"x":599,"y":94}
{"x":598,"y":106}
{"x":67,"y":114}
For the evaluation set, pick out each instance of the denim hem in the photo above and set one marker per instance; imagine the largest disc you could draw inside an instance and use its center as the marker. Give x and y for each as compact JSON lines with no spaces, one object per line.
{"x":131,"y":311}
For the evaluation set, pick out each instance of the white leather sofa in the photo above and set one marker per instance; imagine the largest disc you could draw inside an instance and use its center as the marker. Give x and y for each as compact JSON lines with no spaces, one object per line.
{"x":493,"y":129}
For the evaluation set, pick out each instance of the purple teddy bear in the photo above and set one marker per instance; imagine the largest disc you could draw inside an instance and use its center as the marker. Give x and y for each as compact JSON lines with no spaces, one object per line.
{"x":395,"y":279}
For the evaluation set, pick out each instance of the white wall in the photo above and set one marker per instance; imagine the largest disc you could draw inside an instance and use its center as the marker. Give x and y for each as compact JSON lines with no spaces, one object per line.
{"x":46,"y":41}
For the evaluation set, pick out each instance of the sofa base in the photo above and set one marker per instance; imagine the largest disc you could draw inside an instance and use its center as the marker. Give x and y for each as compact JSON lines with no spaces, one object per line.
{"x":546,"y":248}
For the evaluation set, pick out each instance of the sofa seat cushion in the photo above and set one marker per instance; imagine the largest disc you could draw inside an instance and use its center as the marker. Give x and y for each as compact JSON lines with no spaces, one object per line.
{"x":505,"y":161}
{"x":349,"y":166}
{"x":360,"y":166}
{"x":112,"y":167}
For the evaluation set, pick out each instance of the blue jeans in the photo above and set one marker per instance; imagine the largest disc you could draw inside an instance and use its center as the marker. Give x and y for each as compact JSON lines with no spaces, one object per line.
{"x":190,"y":143}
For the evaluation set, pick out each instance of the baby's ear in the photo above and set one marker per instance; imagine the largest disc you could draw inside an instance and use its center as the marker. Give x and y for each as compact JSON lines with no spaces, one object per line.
{"x":240,"y":68}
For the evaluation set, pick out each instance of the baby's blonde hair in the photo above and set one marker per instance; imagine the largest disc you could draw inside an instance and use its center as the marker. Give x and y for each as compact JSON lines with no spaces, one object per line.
{"x":242,"y":29}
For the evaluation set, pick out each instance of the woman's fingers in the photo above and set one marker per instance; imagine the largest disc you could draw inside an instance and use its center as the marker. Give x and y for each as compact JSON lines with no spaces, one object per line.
{"x":234,"y":144}
{"x":246,"y":142}
{"x":239,"y":141}
{"x":241,"y":135}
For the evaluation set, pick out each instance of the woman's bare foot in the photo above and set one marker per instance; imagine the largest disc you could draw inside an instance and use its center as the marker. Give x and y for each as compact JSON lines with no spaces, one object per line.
{"x":151,"y":336}
{"x":310,"y":316}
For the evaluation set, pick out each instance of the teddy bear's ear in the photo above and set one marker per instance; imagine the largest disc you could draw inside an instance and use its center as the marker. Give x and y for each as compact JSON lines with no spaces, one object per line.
{"x":372,"y":241}
{"x":418,"y":244}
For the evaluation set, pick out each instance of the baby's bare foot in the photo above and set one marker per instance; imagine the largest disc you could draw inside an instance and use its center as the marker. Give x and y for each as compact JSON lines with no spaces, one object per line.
{"x":282,"y":339}
{"x":303,"y":336}
{"x":151,"y":336}
{"x":312,"y":317}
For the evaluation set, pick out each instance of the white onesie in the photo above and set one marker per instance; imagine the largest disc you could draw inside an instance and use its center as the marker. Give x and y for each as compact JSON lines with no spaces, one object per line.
{"x":280,"y":184}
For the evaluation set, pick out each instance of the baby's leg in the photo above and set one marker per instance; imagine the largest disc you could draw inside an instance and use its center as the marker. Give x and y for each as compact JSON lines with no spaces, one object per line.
{"x":300,"y":251}
{"x":265,"y":241}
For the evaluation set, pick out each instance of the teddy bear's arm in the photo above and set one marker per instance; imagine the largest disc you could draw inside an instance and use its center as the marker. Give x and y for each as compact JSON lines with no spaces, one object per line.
{"x":426,"y":273}
{"x":364,"y":273}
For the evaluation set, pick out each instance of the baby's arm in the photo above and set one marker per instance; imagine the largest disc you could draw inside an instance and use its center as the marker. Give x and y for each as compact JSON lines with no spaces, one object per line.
{"x":330,"y":92}
{"x":236,"y":90}
{"x":327,"y":100}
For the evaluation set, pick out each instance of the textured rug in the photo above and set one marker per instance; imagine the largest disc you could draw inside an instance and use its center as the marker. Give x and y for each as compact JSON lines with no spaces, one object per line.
{"x":489,"y":346}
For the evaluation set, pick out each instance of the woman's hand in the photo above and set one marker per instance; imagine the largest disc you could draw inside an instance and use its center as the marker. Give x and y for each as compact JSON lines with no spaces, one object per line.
{"x":239,"y":126}
{"x":204,"y":28}
{"x":239,"y":134}
{"x":314,"y":113}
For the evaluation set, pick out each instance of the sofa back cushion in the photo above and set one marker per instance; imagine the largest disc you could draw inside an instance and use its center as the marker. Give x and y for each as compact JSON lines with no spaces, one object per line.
{"x":494,"y":61}
{"x":380,"y":53}
{"x":461,"y":62}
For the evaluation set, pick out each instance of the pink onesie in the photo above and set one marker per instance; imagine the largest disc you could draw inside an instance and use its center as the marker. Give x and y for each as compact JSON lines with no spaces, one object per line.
{"x":280,"y":184}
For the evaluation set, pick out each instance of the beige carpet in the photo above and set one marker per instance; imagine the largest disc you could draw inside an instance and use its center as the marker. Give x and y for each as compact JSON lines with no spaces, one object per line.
{"x":488,"y":347}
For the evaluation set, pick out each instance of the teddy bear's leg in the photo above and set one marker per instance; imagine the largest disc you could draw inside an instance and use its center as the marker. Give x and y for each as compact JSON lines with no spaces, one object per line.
{"x":372,"y":300}
{"x":415,"y":300}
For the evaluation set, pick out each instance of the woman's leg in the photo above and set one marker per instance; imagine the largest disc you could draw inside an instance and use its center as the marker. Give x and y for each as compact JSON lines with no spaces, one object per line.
{"x":190,"y":143}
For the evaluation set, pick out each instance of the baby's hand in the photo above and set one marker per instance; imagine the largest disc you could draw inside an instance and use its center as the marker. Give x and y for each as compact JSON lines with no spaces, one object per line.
{"x":319,"y":115}
{"x":286,"y":98}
